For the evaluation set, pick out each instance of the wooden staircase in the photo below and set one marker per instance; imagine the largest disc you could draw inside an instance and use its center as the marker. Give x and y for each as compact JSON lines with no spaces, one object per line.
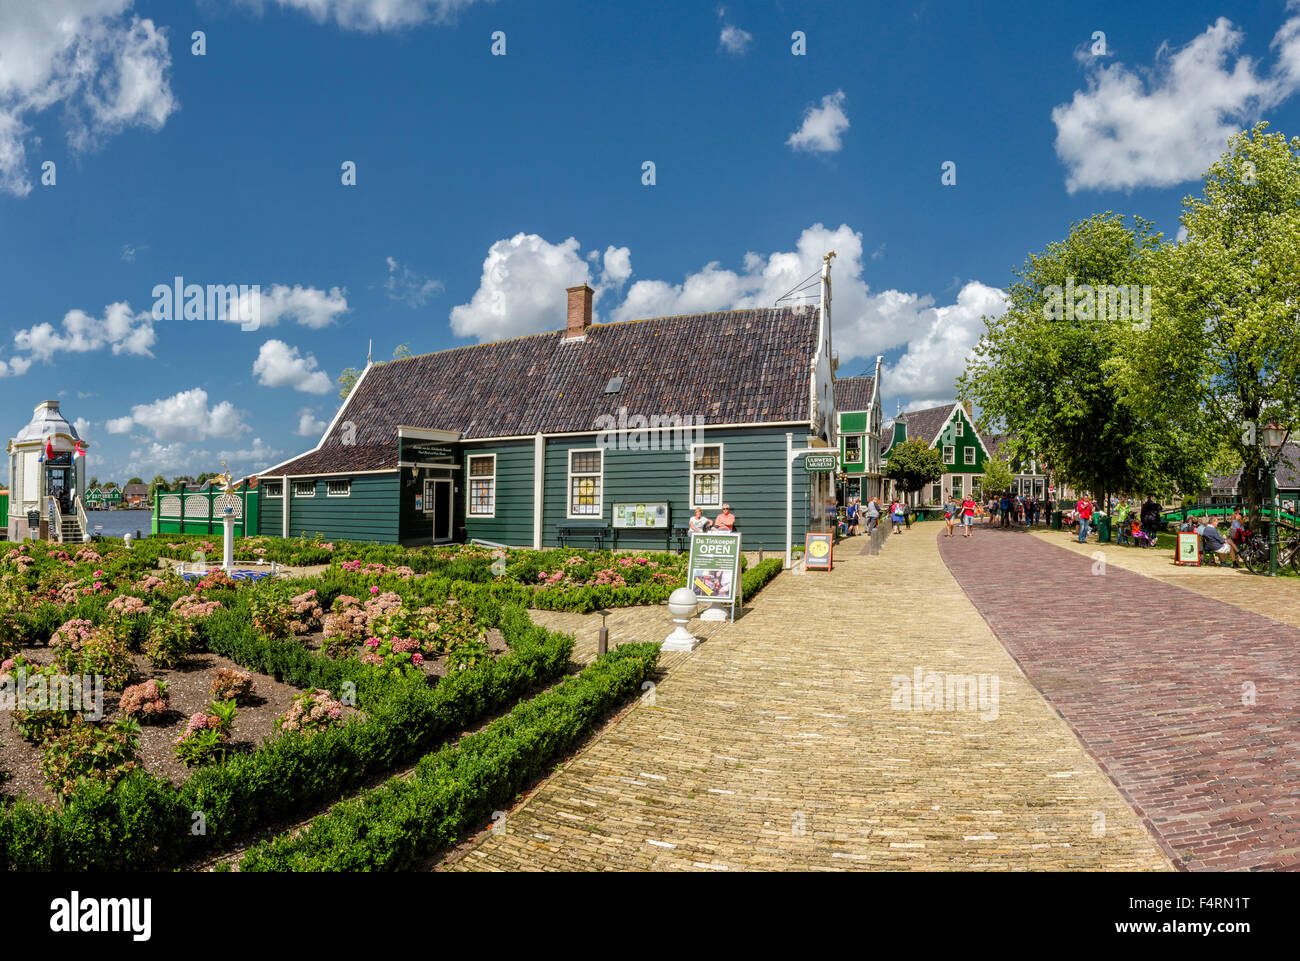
{"x":70,"y":531}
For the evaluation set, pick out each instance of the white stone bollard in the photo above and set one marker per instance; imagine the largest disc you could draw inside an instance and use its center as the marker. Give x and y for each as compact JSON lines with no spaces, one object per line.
{"x":682,"y":603}
{"x":228,"y":542}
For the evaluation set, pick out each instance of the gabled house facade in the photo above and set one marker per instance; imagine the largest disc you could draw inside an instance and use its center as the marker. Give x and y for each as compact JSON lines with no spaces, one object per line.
{"x":1226,"y":489}
{"x":1030,"y":476}
{"x":859,"y":416}
{"x":950,"y":429}
{"x":567,"y":436}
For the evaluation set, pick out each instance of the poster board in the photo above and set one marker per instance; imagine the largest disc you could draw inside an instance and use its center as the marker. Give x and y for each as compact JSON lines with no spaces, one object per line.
{"x":818,"y":552}
{"x":645,"y":515}
{"x":713,"y":569}
{"x":1189,"y":549}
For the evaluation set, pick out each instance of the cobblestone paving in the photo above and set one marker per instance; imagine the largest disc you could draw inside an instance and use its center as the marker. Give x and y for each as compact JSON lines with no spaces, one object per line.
{"x":1191,"y":704}
{"x":774,"y":746}
{"x":1276,"y":597}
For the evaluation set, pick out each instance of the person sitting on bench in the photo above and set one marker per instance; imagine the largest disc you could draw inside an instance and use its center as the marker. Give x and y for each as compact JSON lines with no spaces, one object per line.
{"x":1215,"y":543}
{"x":726,"y":521}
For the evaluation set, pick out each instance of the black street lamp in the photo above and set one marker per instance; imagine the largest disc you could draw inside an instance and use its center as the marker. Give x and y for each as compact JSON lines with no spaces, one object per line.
{"x":1273,"y":441}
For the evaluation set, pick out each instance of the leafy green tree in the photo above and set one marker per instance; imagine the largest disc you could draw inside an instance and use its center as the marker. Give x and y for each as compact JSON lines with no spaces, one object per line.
{"x":1046,"y":369}
{"x":136,"y":480}
{"x":1223,"y":351}
{"x":997,"y":476}
{"x":913,"y":464}
{"x":92,"y":483}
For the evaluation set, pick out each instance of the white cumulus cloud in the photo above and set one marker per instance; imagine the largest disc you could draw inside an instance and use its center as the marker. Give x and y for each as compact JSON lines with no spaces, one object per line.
{"x":734,"y":40}
{"x":279,"y":365}
{"x":372,"y":16}
{"x":308,"y":306}
{"x":185,"y":416}
{"x":1165,"y":124}
{"x":943,"y":342}
{"x":309,"y":425}
{"x":517,"y":294}
{"x":120,"y":328}
{"x":104,"y":68}
{"x":822,"y":126}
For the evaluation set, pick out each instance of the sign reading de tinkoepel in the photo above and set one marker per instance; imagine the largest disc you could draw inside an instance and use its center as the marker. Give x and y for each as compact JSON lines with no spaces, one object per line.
{"x":714,"y":566}
{"x":820,"y":463}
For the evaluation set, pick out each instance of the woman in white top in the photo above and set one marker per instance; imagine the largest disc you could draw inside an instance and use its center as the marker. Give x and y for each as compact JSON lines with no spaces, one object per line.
{"x":700,"y":523}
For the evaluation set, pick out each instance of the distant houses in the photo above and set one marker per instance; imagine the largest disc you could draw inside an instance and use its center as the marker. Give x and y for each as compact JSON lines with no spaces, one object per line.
{"x":950,"y":429}
{"x":857,"y":408}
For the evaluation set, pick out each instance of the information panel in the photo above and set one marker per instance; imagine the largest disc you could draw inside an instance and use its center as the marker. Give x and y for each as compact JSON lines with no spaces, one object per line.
{"x":641,"y":515}
{"x":713,"y":569}
{"x":818,"y":551}
{"x":1189,"y":548}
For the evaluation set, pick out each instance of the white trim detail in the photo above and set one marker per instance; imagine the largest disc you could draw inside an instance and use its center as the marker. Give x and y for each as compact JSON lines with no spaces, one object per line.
{"x":599,"y":512}
{"x":470,"y":457}
{"x":346,"y":492}
{"x":539,"y":489}
{"x":690,"y":493}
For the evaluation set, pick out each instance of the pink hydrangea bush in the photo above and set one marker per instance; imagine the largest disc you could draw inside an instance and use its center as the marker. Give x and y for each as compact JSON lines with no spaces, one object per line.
{"x":145,"y":702}
{"x":307,"y":613}
{"x":193,"y":608}
{"x":127,"y":605}
{"x":311,"y":712}
{"x":206,"y":733}
{"x":232,"y":685}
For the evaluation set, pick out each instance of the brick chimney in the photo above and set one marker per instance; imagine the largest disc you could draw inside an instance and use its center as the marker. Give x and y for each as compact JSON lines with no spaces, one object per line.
{"x":970,"y":411}
{"x":579,"y":311}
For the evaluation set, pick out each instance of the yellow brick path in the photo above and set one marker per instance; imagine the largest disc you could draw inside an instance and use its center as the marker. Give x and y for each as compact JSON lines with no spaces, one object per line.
{"x":774,"y":746}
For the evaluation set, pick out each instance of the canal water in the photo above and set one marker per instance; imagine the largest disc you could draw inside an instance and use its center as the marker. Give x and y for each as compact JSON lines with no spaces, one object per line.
{"x":118,"y":523}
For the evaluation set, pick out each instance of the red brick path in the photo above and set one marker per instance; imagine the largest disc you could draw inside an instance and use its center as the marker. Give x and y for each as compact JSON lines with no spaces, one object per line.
{"x":1150,"y":677}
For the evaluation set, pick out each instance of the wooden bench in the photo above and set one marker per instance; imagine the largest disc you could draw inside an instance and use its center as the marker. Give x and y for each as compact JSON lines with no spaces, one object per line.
{"x":598,"y":533}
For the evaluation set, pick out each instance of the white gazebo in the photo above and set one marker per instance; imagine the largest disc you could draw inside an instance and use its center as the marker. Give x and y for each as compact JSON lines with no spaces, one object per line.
{"x":37,"y":481}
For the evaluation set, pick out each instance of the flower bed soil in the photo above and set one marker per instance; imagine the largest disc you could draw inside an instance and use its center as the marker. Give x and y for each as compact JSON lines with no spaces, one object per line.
{"x":188,"y":688}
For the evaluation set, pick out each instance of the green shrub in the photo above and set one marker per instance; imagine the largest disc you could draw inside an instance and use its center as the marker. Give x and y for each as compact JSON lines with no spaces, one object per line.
{"x":86,"y":751}
{"x":171,"y":641}
{"x":392,"y":827}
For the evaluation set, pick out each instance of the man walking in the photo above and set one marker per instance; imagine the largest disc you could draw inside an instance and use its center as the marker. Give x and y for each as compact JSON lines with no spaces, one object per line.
{"x":1084,"y":509}
{"x":1149,"y":517}
{"x":873,"y":514}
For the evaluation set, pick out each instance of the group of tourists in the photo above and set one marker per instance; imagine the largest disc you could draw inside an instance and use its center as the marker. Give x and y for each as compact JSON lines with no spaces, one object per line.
{"x":963,"y":513}
{"x":1133,"y":524}
{"x":856,"y":513}
{"x":1213,"y":541}
{"x":1016,"y":509}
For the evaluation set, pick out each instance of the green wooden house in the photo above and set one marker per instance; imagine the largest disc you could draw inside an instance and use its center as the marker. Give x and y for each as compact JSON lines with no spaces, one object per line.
{"x":858,"y":414}
{"x":94,"y":499}
{"x":576,"y":436}
{"x":110,"y":498}
{"x":950,"y":429}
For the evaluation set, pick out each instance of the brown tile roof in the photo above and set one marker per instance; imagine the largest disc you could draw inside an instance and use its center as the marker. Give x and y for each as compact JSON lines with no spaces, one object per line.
{"x":924,"y":424}
{"x":734,"y":367}
{"x":853,"y":393}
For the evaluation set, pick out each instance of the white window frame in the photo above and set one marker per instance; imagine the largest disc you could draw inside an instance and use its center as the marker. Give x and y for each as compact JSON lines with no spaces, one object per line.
{"x":298,"y":493}
{"x":969,"y":455}
{"x":347,"y":492}
{"x":857,"y":437}
{"x":956,"y":487}
{"x":693,"y":472}
{"x":599,"y":512}
{"x":470,"y":477}
{"x":961,"y":426}
{"x":279,"y":485}
{"x":949,"y":454}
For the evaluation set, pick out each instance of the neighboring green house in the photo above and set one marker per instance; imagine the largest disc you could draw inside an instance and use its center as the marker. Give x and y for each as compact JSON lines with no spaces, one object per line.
{"x":1030,"y":477}
{"x":576,"y":433}
{"x":857,"y":410}
{"x":94,"y":499}
{"x":949,"y":429}
{"x":110,"y":497}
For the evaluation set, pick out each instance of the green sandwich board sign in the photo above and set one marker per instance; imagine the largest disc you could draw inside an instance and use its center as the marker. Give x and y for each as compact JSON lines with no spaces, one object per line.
{"x":820,"y":463}
{"x":713,"y":569}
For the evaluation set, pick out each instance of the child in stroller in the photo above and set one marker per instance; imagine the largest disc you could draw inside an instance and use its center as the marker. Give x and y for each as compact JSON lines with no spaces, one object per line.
{"x":1140,"y":537}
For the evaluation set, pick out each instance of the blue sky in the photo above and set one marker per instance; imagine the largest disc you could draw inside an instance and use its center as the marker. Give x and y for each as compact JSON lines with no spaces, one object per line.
{"x":486,"y":184}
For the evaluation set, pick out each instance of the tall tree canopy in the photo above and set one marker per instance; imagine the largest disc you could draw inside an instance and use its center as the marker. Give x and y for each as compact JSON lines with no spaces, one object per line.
{"x":1223,"y":352}
{"x":1046,"y":369}
{"x":913,"y":464}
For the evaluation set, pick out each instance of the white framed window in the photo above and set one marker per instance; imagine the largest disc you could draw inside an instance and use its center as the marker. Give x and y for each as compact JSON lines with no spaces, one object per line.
{"x":481,"y":494}
{"x":304,"y":488}
{"x":969,"y":454}
{"x":586,"y":473}
{"x":961,"y":426}
{"x":853,"y":447}
{"x":956,"y":486}
{"x":273,"y":488}
{"x":338,"y":488}
{"x":706,"y":475}
{"x":949,"y":455}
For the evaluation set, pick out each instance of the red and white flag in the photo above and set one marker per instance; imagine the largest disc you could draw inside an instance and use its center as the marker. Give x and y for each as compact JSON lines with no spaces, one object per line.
{"x":81,"y":450}
{"x":49,"y":448}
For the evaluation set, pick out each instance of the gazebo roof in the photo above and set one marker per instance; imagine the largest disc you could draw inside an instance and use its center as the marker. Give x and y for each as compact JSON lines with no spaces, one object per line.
{"x":46,"y":421}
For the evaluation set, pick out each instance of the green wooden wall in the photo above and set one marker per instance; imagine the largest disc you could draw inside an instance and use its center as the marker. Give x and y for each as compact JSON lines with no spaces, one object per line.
{"x":369,"y":513}
{"x":513,"y":523}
